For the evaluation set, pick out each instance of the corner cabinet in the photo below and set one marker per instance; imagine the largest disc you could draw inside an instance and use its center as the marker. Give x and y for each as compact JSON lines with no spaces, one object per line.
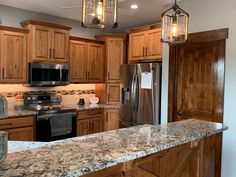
{"x":86,"y":61}
{"x":48,"y":42}
{"x":13,"y":50}
{"x":145,"y":44}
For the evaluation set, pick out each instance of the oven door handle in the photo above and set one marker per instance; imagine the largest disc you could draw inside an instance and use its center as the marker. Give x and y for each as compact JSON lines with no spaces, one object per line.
{"x":48,"y":116}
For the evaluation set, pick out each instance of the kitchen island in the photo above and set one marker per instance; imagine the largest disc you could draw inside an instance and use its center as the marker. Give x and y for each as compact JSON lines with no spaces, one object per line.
{"x":169,"y":150}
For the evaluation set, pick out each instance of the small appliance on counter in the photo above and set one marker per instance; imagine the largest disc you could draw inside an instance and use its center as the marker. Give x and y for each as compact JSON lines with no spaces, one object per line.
{"x":3,"y":107}
{"x":3,"y":145}
{"x":81,"y":102}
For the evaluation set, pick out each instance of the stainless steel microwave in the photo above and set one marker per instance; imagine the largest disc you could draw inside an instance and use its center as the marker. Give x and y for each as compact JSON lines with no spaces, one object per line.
{"x":43,"y":74}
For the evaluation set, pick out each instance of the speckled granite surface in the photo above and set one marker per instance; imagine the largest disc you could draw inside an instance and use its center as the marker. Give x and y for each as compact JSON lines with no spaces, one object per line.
{"x":19,"y":113}
{"x":93,"y":106}
{"x":82,"y":155}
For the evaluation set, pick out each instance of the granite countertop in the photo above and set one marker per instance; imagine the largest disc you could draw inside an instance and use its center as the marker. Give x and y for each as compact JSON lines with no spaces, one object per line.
{"x":20,"y":113}
{"x":82,"y":155}
{"x":92,"y":106}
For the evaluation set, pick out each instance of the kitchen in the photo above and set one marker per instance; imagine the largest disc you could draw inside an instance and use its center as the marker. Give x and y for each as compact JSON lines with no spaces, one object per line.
{"x":208,"y":22}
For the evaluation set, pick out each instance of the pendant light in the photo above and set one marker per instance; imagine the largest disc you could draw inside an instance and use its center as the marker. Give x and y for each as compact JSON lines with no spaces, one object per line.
{"x":175,"y":25}
{"x":101,"y":14}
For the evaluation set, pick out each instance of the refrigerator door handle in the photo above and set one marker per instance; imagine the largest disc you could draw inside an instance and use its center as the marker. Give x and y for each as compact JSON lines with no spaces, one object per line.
{"x":133,"y":98}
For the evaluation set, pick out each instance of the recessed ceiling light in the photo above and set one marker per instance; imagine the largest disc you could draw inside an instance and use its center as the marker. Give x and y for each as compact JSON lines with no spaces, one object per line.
{"x":134,"y":6}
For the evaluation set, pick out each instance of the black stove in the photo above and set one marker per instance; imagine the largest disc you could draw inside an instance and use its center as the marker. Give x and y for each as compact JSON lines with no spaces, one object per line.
{"x":54,"y":121}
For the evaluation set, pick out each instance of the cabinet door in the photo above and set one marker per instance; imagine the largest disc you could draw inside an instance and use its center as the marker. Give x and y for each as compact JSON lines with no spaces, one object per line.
{"x":95,"y":63}
{"x":154,"y":45}
{"x":41,"y":50}
{"x":115,"y":58}
{"x":13,"y":57}
{"x":137,"y":45}
{"x":83,"y":127}
{"x":96,"y":125}
{"x":112,"y":119}
{"x":113,"y":93}
{"x":21,"y":134}
{"x":78,"y":61}
{"x":60,"y":46}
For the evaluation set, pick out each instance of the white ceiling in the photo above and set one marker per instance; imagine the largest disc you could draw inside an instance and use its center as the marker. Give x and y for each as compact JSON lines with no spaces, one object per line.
{"x":149,"y":10}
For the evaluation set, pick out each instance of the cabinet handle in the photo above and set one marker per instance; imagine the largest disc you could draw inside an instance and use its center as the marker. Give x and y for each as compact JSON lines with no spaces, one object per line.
{"x":143,"y":51}
{"x":50,"y":53}
{"x":3,"y":73}
{"x":53,"y":53}
{"x":146,"y":51}
{"x":108,"y":97}
{"x":88,"y":75}
{"x":108,"y":75}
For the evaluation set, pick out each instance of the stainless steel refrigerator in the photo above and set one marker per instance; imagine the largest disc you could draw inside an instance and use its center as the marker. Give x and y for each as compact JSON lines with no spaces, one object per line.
{"x":140,"y":94}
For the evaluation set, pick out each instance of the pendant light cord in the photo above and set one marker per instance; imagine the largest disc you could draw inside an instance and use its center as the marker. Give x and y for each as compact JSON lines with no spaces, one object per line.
{"x":175,"y":2}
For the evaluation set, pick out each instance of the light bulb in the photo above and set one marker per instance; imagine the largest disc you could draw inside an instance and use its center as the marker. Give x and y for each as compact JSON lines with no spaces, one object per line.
{"x":99,"y":9}
{"x":174,"y":29}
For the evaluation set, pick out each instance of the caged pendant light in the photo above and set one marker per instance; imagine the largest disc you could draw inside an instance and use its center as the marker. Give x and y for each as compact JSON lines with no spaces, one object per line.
{"x":175,"y":25}
{"x":101,"y":14}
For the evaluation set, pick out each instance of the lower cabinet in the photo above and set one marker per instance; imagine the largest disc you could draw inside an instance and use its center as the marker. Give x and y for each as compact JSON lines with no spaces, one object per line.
{"x":90,"y":121}
{"x":19,"y":128}
{"x":112,"y":121}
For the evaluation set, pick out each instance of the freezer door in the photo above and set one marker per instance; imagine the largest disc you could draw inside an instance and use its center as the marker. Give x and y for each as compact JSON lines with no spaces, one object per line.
{"x":128,"y":73}
{"x":147,"y":110}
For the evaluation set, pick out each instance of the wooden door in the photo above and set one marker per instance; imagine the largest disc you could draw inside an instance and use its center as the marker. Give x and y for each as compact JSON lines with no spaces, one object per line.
{"x":115,"y":58}
{"x":78,"y":61}
{"x":113,"y":93}
{"x":83,"y":127}
{"x":95,"y":63}
{"x":154,"y":45}
{"x":13,"y":57}
{"x":96,"y":125}
{"x":42,"y":40}
{"x":196,"y":88}
{"x":21,"y":134}
{"x":60,"y":46}
{"x":137,"y":46}
{"x":112,"y":119}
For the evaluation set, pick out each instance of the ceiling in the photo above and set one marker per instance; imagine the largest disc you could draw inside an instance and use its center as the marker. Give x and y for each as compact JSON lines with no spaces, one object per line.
{"x":148,"y":11}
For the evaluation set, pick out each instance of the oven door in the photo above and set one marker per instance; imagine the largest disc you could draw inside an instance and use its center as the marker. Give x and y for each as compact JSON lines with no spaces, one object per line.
{"x":42,"y":74}
{"x":55,"y":126}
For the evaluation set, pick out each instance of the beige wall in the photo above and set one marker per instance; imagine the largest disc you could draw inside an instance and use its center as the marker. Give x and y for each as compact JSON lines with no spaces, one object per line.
{"x":209,"y":15}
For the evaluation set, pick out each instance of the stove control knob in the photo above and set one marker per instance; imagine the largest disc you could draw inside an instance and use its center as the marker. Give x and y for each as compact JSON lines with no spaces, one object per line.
{"x":28,"y":98}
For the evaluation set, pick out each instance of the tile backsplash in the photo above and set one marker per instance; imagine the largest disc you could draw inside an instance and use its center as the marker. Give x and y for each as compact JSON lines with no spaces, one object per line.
{"x":70,"y":94}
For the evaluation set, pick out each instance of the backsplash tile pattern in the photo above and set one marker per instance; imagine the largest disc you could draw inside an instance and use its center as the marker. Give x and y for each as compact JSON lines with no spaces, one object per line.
{"x":63,"y":92}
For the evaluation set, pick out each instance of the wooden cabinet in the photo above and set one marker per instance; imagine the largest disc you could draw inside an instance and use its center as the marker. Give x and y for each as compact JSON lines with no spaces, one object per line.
{"x":145,"y":44}
{"x":86,"y":61}
{"x":19,"y":128}
{"x":13,"y":55}
{"x":112,"y":119}
{"x":115,"y":45}
{"x":90,"y":121}
{"x":48,"y":42}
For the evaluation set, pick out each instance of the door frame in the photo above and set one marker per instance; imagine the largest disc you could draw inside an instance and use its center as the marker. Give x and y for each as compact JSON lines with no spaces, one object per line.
{"x":200,"y":37}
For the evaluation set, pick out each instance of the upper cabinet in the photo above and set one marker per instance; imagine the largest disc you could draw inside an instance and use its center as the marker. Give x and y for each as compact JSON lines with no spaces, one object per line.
{"x":145,"y":44}
{"x":86,"y":61}
{"x":48,"y":42}
{"x":115,"y":55}
{"x":13,"y":50}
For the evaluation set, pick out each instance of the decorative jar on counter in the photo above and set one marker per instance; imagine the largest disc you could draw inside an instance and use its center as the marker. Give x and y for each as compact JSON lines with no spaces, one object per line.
{"x":3,"y":107}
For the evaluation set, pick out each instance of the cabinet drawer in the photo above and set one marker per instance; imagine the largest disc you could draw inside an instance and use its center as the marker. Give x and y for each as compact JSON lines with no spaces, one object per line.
{"x":16,"y":122}
{"x":90,"y":113}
